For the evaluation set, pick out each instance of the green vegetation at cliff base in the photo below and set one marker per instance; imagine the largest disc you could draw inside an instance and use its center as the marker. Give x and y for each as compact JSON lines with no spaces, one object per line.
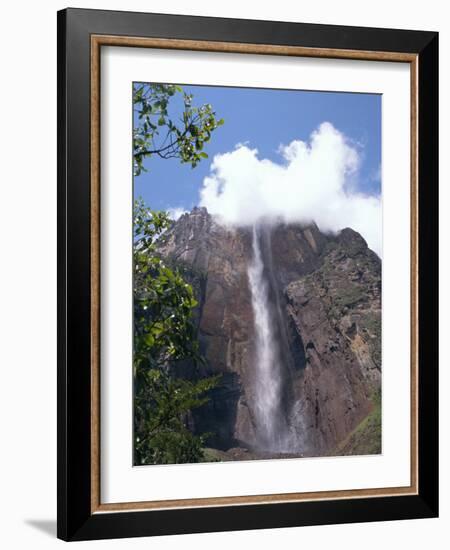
{"x":365,"y":439}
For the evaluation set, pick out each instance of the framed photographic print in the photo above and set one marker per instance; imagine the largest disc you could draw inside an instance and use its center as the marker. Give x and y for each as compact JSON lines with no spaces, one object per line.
{"x":247,"y":274}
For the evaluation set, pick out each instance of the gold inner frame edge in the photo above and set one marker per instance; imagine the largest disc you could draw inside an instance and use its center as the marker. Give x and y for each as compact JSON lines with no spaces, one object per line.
{"x":97,"y":41}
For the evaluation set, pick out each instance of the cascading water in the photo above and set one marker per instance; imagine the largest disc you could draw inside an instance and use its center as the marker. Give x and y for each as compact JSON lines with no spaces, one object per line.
{"x":271,"y":425}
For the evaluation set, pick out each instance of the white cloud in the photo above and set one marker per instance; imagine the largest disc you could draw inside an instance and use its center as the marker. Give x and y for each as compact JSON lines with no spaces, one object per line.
{"x":309,"y":184}
{"x":176,"y":212}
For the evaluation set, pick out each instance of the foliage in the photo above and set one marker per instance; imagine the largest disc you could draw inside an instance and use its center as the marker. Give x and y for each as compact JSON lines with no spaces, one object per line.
{"x":157,"y":132}
{"x":163,"y":335}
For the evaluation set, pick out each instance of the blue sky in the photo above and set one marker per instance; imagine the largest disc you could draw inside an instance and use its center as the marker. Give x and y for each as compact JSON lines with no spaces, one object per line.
{"x":264,"y":119}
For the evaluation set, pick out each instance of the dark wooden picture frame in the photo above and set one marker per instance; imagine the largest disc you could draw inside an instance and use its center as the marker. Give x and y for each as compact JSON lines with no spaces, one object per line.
{"x":81,"y":34}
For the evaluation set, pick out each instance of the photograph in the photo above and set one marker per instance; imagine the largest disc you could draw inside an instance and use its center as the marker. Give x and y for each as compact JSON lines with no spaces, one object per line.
{"x":247,"y":273}
{"x":221,"y":292}
{"x":257,"y":262}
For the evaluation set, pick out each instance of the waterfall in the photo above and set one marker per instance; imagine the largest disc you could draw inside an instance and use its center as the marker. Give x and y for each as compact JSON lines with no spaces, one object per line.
{"x":271,"y":425}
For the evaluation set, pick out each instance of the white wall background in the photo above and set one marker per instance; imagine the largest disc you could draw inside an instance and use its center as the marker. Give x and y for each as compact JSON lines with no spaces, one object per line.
{"x":28,"y":272}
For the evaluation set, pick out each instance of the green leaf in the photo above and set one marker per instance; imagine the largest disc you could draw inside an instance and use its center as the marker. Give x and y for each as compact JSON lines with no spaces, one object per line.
{"x":153,"y":110}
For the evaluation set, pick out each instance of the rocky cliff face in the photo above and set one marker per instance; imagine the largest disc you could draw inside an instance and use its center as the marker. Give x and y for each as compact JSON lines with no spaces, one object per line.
{"x":325,"y":296}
